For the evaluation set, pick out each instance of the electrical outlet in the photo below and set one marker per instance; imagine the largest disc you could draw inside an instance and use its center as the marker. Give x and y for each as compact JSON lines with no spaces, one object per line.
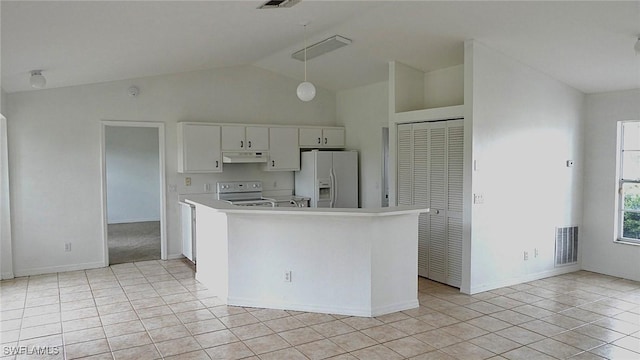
{"x":207,"y":187}
{"x":478,"y":199}
{"x":187,"y":181}
{"x":526,"y":255}
{"x":67,"y":246}
{"x":287,"y":276}
{"x":535,"y":252}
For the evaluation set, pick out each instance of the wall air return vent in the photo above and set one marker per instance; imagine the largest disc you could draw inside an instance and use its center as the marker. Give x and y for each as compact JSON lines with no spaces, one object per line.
{"x":275,"y":4}
{"x":566,"y":245}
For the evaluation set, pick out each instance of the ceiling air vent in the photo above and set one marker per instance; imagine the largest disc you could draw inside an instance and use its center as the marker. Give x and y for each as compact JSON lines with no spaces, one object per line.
{"x":274,"y":4}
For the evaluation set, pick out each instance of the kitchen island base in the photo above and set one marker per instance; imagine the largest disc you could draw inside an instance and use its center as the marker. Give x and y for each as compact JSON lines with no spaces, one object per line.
{"x":344,"y":261}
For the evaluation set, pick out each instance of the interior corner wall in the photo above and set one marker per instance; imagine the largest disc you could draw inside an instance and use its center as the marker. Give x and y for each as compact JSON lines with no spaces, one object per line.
{"x":600,"y":253}
{"x":526,"y":125}
{"x":363,"y":111}
{"x":133,"y":175}
{"x":55,"y":144}
{"x":6,"y":253}
{"x":3,"y":101}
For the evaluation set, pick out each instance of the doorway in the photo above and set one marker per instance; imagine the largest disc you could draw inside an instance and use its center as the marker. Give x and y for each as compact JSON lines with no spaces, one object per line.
{"x":385,"y":167}
{"x":133,"y":197}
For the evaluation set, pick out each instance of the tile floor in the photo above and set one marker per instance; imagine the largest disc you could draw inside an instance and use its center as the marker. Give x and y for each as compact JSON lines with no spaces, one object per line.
{"x":156,"y":309}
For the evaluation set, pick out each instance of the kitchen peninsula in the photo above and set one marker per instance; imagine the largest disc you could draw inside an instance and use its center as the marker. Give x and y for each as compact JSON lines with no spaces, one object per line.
{"x":360,"y":262}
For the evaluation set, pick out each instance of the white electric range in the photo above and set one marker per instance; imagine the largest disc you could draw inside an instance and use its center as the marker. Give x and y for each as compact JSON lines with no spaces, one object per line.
{"x":244,"y":193}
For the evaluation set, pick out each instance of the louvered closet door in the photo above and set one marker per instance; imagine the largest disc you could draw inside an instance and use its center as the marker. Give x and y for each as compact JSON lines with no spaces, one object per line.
{"x":405,"y":165}
{"x":455,"y":160}
{"x":420,"y":138}
{"x":438,"y":201}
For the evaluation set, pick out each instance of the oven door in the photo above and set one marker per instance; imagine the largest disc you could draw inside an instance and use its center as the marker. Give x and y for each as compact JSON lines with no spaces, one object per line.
{"x":261,"y":203}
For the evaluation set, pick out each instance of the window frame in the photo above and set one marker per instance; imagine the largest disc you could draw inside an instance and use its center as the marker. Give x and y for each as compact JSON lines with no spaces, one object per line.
{"x":620,"y":182}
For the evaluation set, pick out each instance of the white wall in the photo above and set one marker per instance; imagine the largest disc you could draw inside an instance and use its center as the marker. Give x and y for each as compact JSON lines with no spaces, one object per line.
{"x":54,"y":149}
{"x":600,"y":253}
{"x":6,"y":260}
{"x":363,"y":111}
{"x":3,"y":101}
{"x":133,"y":176}
{"x":525,"y":126}
{"x":444,"y":87}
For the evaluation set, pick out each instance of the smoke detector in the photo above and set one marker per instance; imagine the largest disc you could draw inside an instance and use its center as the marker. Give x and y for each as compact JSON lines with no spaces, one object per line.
{"x":275,"y":4}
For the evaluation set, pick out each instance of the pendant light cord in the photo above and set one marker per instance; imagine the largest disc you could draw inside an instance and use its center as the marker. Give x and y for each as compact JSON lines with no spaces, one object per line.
{"x":305,"y":52}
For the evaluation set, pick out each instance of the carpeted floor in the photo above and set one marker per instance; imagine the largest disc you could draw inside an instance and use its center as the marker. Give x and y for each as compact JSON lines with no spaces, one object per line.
{"x":133,"y":242}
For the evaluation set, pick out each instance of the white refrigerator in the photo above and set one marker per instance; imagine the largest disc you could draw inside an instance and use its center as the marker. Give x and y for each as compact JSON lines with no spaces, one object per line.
{"x":328,"y":178}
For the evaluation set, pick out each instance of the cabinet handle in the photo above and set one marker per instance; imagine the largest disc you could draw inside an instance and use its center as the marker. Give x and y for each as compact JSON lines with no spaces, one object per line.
{"x":241,"y":143}
{"x":273,"y":163}
{"x":325,"y":141}
{"x":249,"y":143}
{"x":319,"y":141}
{"x":216,"y":163}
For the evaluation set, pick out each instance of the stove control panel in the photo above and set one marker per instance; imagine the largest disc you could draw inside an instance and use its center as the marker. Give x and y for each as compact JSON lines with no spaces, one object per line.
{"x":239,"y":186}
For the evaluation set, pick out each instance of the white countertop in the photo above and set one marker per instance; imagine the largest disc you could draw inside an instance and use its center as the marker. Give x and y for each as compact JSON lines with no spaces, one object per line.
{"x":223,"y":206}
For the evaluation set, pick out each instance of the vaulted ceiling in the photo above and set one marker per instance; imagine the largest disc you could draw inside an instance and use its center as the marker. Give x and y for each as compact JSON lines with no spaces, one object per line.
{"x":586,"y":44}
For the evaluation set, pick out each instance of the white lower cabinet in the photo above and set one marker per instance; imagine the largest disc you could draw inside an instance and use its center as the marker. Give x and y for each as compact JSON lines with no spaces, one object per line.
{"x":430,"y":174}
{"x":199,"y":148}
{"x":284,"y":153}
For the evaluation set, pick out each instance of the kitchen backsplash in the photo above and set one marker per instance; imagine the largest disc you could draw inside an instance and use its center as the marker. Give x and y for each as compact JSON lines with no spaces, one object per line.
{"x":274,"y":183}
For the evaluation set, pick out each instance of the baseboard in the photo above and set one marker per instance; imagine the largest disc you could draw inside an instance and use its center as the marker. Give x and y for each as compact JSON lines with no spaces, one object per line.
{"x":388,"y":309}
{"x":350,"y":311}
{"x":175,"y":256}
{"x":57,"y":269}
{"x":131,"y":221}
{"x":7,"y":275}
{"x":524,"y":279}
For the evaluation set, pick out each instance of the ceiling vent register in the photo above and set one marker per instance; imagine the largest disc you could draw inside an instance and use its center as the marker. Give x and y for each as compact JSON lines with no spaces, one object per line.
{"x":276,"y":4}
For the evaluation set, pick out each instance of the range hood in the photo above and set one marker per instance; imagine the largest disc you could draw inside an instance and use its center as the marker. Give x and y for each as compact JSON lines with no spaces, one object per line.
{"x":238,"y":157}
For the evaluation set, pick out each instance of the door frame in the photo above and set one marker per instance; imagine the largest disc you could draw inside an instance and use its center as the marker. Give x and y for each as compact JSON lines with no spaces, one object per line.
{"x":161,"y":167}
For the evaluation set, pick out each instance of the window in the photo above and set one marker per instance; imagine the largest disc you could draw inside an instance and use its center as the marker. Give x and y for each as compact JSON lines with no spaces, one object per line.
{"x":629,"y":182}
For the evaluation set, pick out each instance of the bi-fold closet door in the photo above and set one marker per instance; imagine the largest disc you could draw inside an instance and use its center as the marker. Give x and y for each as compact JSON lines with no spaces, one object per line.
{"x":430,"y":174}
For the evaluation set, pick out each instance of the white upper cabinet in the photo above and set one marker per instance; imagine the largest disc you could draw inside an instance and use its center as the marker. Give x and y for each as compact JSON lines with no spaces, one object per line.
{"x":245,"y":138}
{"x":284,"y":153}
{"x":333,"y":137}
{"x":322,"y":137}
{"x":199,"y":148}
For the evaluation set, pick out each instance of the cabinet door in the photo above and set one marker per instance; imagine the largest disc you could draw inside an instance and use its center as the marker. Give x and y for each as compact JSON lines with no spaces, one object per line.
{"x":233,"y":138}
{"x":437,"y":202}
{"x":284,"y":154}
{"x":333,"y":137}
{"x":311,"y":137}
{"x":420,"y":191}
{"x":257,"y":138}
{"x":455,"y":168}
{"x":199,"y":148}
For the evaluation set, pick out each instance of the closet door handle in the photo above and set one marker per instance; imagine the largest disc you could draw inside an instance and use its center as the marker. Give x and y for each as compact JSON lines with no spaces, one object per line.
{"x":217,"y":164}
{"x":241,"y":143}
{"x":249,"y":143}
{"x":325,"y":141}
{"x":273,"y":163}
{"x":319,"y":141}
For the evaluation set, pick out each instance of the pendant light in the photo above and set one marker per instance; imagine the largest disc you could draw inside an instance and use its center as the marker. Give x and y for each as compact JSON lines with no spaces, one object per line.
{"x":306,"y":91}
{"x":37,"y":80}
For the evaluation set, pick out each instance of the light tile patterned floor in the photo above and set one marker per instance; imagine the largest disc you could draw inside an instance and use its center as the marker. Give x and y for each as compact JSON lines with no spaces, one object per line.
{"x":155,"y":309}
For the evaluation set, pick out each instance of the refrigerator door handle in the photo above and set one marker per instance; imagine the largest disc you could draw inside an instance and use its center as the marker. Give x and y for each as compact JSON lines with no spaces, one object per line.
{"x":332,"y":192}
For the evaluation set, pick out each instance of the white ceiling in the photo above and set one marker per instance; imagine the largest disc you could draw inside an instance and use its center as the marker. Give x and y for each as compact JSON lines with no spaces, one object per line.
{"x":586,"y":44}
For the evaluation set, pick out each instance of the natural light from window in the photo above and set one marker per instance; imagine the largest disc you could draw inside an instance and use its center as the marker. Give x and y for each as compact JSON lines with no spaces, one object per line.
{"x":629,"y":182}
